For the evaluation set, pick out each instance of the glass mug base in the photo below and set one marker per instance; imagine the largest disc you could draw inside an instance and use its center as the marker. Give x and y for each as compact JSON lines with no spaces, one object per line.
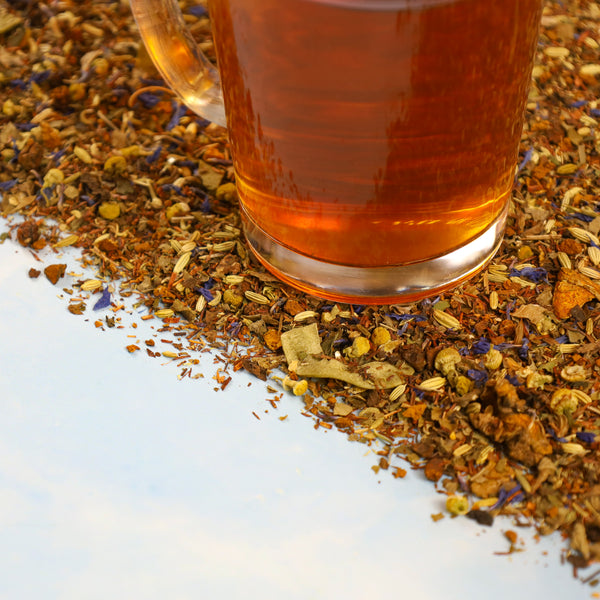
{"x":396,"y":284}
{"x":312,"y":114}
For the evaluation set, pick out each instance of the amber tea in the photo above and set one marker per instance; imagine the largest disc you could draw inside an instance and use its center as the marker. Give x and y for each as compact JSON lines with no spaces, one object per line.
{"x":374,"y":141}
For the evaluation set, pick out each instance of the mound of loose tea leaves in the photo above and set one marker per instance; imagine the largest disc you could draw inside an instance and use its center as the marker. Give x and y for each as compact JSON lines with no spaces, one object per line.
{"x":493,"y":390}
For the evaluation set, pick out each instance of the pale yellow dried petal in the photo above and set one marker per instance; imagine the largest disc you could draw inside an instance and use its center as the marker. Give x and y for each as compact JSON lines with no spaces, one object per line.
{"x":223,"y":246}
{"x":590,"y":70}
{"x":446,"y":320}
{"x":556,"y":51}
{"x":567,"y":169}
{"x":484,"y":454}
{"x":67,"y":241}
{"x":573,"y":448}
{"x":91,"y":285}
{"x":589,"y":121}
{"x":432,"y":384}
{"x":217,"y":298}
{"x":188,"y":247}
{"x":201,"y":304}
{"x":397,"y":392}
{"x":462,"y":450}
{"x":568,"y":348}
{"x":101,"y":238}
{"x":564,"y":260}
{"x":485,"y":502}
{"x":256,"y":297}
{"x":583,"y":235}
{"x":594,"y":254}
{"x":569,"y":195}
{"x":177,"y":210}
{"x":523,"y":282}
{"x":182,"y":262}
{"x":589,"y":272}
{"x":233,"y":279}
{"x":83,"y":155}
{"x":115,"y":164}
{"x":304,"y":315}
{"x":581,"y":396}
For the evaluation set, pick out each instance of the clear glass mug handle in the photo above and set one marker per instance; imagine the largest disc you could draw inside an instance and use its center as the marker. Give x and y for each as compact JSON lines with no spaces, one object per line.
{"x":177,"y":57}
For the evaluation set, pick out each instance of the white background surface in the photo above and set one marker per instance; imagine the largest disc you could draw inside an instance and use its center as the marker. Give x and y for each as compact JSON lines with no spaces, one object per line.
{"x":117,"y":480}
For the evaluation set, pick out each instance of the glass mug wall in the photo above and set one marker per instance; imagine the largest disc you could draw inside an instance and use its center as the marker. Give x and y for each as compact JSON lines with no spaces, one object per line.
{"x":374,"y":141}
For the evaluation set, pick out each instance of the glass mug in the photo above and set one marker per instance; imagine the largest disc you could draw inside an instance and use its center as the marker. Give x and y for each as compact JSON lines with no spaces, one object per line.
{"x":374,"y":141}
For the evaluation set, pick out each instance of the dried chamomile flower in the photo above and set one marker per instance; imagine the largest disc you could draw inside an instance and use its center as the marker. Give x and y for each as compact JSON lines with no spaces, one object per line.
{"x":53,"y":176}
{"x":492,"y":359}
{"x":379,"y":336}
{"x":115,"y":165}
{"x":574,"y":373}
{"x":457,"y":505}
{"x":446,"y":360}
{"x":564,"y":401}
{"x":109,"y":210}
{"x":360,"y":346}
{"x":463,"y":385}
{"x":300,"y":387}
{"x":538,"y":380}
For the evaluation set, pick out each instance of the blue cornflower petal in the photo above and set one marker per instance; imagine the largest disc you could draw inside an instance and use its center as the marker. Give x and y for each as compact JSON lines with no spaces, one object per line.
{"x":482,"y":346}
{"x":103,"y":301}
{"x":587,"y":437}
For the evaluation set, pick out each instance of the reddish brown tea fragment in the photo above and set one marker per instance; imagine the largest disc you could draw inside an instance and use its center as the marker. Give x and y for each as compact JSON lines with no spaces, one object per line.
{"x":55,"y":272}
{"x":28,"y":233}
{"x":434,"y":468}
{"x":77,"y":308}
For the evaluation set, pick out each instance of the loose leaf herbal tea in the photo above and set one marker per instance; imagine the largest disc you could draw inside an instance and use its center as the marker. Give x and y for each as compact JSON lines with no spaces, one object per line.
{"x":493,"y":389}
